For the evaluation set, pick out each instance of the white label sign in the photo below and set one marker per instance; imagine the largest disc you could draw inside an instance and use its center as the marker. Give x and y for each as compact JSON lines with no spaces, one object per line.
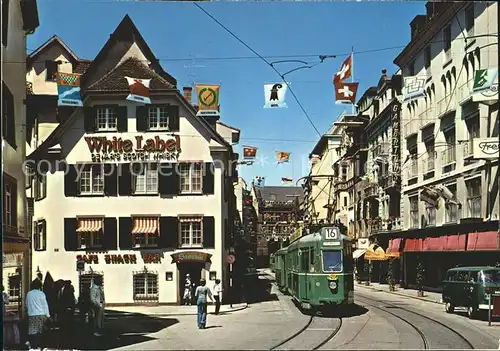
{"x":485,"y":148}
{"x":330,"y":234}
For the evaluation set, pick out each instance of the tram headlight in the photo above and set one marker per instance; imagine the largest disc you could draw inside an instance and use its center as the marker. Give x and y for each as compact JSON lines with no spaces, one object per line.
{"x":333,"y":285}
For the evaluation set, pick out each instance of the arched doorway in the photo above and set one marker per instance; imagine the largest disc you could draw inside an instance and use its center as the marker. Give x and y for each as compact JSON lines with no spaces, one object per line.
{"x":193,"y":263}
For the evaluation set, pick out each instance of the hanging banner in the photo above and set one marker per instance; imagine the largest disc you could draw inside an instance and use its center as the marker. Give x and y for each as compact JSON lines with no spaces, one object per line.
{"x":345,"y":93}
{"x":249,"y":152}
{"x":275,"y":94}
{"x":414,"y":88}
{"x":208,"y":97}
{"x":484,"y":79}
{"x":139,"y":90}
{"x":68,"y":89}
{"x":283,"y":156}
{"x":344,"y":72}
{"x":286,"y":180}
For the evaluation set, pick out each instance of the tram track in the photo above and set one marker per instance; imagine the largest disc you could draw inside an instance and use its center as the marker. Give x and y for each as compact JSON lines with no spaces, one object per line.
{"x":417,"y":329}
{"x":307,"y":337}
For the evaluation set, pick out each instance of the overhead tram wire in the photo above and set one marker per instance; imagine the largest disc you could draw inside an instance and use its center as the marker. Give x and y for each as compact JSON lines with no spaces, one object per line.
{"x":263,"y":59}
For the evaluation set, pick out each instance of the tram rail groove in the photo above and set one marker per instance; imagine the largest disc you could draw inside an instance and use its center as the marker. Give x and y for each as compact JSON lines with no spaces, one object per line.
{"x":423,"y":316}
{"x":305,"y":328}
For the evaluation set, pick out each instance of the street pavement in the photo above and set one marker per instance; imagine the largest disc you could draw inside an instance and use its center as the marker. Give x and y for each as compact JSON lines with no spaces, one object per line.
{"x":381,"y":320}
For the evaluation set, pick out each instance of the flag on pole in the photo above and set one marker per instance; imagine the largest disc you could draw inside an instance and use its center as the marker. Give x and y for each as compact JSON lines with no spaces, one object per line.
{"x":68,"y":89}
{"x":283,"y":156}
{"x":484,"y":79}
{"x":275,"y":94}
{"x":414,"y":88}
{"x":249,"y":152}
{"x":345,"y":93}
{"x":286,"y":180}
{"x":139,"y":90}
{"x":344,"y":72}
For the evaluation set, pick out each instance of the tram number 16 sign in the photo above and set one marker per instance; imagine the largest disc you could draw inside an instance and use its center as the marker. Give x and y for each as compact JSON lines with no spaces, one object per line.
{"x":330,"y":234}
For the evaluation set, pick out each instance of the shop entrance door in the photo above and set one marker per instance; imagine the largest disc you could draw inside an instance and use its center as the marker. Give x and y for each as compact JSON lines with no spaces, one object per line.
{"x":194,"y":270}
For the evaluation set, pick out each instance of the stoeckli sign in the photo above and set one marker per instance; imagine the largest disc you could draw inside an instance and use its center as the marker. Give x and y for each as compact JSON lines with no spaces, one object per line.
{"x":191,"y":256}
{"x":137,"y":149}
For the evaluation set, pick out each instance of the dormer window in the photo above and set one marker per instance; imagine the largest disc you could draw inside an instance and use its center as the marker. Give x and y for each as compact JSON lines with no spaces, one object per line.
{"x":51,"y":68}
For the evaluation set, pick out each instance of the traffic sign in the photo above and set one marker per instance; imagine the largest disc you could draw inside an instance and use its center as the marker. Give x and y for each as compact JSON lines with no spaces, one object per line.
{"x":80,"y":265}
{"x":231,"y":259}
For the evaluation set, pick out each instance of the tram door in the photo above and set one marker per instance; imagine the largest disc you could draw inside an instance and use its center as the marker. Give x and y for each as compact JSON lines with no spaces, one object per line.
{"x":304,"y":284}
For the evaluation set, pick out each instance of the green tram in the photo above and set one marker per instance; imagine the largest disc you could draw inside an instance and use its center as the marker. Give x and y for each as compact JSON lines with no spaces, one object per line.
{"x":317,"y":269}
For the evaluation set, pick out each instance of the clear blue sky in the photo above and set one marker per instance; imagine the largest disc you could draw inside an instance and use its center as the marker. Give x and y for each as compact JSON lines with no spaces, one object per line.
{"x":181,"y":30}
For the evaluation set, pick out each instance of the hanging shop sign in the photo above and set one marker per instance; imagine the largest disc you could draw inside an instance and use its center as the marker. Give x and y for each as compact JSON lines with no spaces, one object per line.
{"x":137,"y":149}
{"x":486,"y":148}
{"x":88,"y":258}
{"x":191,"y":256}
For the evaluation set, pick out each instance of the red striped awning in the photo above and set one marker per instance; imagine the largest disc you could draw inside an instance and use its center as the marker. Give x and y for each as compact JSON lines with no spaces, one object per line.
{"x":394,"y":248}
{"x":412,"y":245}
{"x":455,"y":242}
{"x":89,"y":225}
{"x":484,"y":241}
{"x":434,"y":244}
{"x":145,"y":225}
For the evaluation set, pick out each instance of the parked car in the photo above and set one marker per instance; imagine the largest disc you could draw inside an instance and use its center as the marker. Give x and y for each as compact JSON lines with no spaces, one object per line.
{"x":469,"y":287}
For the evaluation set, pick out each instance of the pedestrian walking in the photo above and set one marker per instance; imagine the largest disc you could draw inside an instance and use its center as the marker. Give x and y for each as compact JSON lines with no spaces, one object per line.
{"x":5,"y":299}
{"x":98,"y":301}
{"x":217,"y":295}
{"x":201,"y":294}
{"x":38,"y":314}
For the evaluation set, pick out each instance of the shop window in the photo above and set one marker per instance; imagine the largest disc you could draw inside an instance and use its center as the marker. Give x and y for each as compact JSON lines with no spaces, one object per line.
{"x":92,"y":180}
{"x":40,"y":235}
{"x":191,"y":232}
{"x":40,"y":187}
{"x":106,"y":119}
{"x":145,"y":286}
{"x":191,"y":177}
{"x":158,"y":118}
{"x":15,"y":288}
{"x":146,"y":179}
{"x":474,"y":197}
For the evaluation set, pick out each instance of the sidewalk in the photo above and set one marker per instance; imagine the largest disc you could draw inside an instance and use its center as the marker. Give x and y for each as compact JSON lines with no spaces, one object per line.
{"x":171,"y":310}
{"x":428,"y":296}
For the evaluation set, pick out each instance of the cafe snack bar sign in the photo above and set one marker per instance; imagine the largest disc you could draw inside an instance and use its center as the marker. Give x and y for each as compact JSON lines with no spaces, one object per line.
{"x":191,"y":256}
{"x":137,"y":148}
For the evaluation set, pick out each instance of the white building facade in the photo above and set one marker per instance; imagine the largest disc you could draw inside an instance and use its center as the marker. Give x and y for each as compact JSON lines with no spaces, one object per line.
{"x":138,"y":194}
{"x":447,"y":194}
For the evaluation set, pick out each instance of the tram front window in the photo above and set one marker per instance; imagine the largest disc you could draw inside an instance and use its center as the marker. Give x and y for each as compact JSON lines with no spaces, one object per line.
{"x":332,"y":261}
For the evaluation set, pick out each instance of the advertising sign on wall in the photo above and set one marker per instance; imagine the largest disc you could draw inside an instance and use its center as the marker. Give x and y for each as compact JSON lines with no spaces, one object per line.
{"x":485,"y":148}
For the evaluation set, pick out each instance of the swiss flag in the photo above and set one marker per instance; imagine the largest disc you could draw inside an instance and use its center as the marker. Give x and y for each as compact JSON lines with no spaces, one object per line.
{"x":345,"y":92}
{"x":344,"y":72}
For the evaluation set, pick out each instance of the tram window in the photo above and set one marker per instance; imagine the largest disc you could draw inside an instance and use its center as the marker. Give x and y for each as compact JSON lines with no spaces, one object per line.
{"x":312,"y":257}
{"x":305,"y":260}
{"x":332,"y":261}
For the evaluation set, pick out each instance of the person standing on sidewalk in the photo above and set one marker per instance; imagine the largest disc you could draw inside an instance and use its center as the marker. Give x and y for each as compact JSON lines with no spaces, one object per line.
{"x":201,"y":294}
{"x":98,"y":301}
{"x":217,"y":293}
{"x":38,"y":314}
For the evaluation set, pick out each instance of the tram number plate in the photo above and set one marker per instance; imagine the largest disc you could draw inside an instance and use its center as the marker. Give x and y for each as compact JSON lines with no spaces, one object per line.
{"x":330,"y":233}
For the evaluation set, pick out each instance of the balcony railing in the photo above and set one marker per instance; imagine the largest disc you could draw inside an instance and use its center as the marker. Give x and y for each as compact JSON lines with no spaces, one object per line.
{"x":413,"y":168}
{"x":428,"y":163}
{"x":464,"y":90}
{"x":467,"y":148}
{"x":426,"y":117}
{"x":411,"y":127}
{"x":446,"y":104}
{"x":449,"y":156}
{"x":381,"y":150}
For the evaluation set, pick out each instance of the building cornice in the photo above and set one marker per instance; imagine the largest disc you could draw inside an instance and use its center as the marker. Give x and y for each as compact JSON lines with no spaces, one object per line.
{"x":426,"y":34}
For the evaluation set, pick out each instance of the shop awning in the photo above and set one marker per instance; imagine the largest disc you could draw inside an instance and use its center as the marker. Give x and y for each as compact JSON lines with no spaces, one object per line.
{"x":373,"y":254}
{"x":358,"y":253}
{"x":145,"y":225}
{"x":455,"y":242}
{"x":413,"y":245}
{"x":394,"y":249}
{"x":484,"y":241}
{"x":89,"y":225}
{"x":434,"y":244}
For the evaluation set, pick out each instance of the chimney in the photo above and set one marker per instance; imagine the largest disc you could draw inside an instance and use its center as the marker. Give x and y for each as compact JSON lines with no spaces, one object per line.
{"x":188,"y":94}
{"x":417,"y":24}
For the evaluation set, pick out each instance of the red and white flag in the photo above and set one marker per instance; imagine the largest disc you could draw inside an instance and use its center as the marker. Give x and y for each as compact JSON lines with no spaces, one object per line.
{"x":345,"y":93}
{"x":344,"y":72}
{"x":139,"y":90}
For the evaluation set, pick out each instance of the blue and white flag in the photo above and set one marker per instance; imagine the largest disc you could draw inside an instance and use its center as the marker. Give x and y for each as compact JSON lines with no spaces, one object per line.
{"x":68,"y":89}
{"x":275,"y":94}
{"x":414,"y":88}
